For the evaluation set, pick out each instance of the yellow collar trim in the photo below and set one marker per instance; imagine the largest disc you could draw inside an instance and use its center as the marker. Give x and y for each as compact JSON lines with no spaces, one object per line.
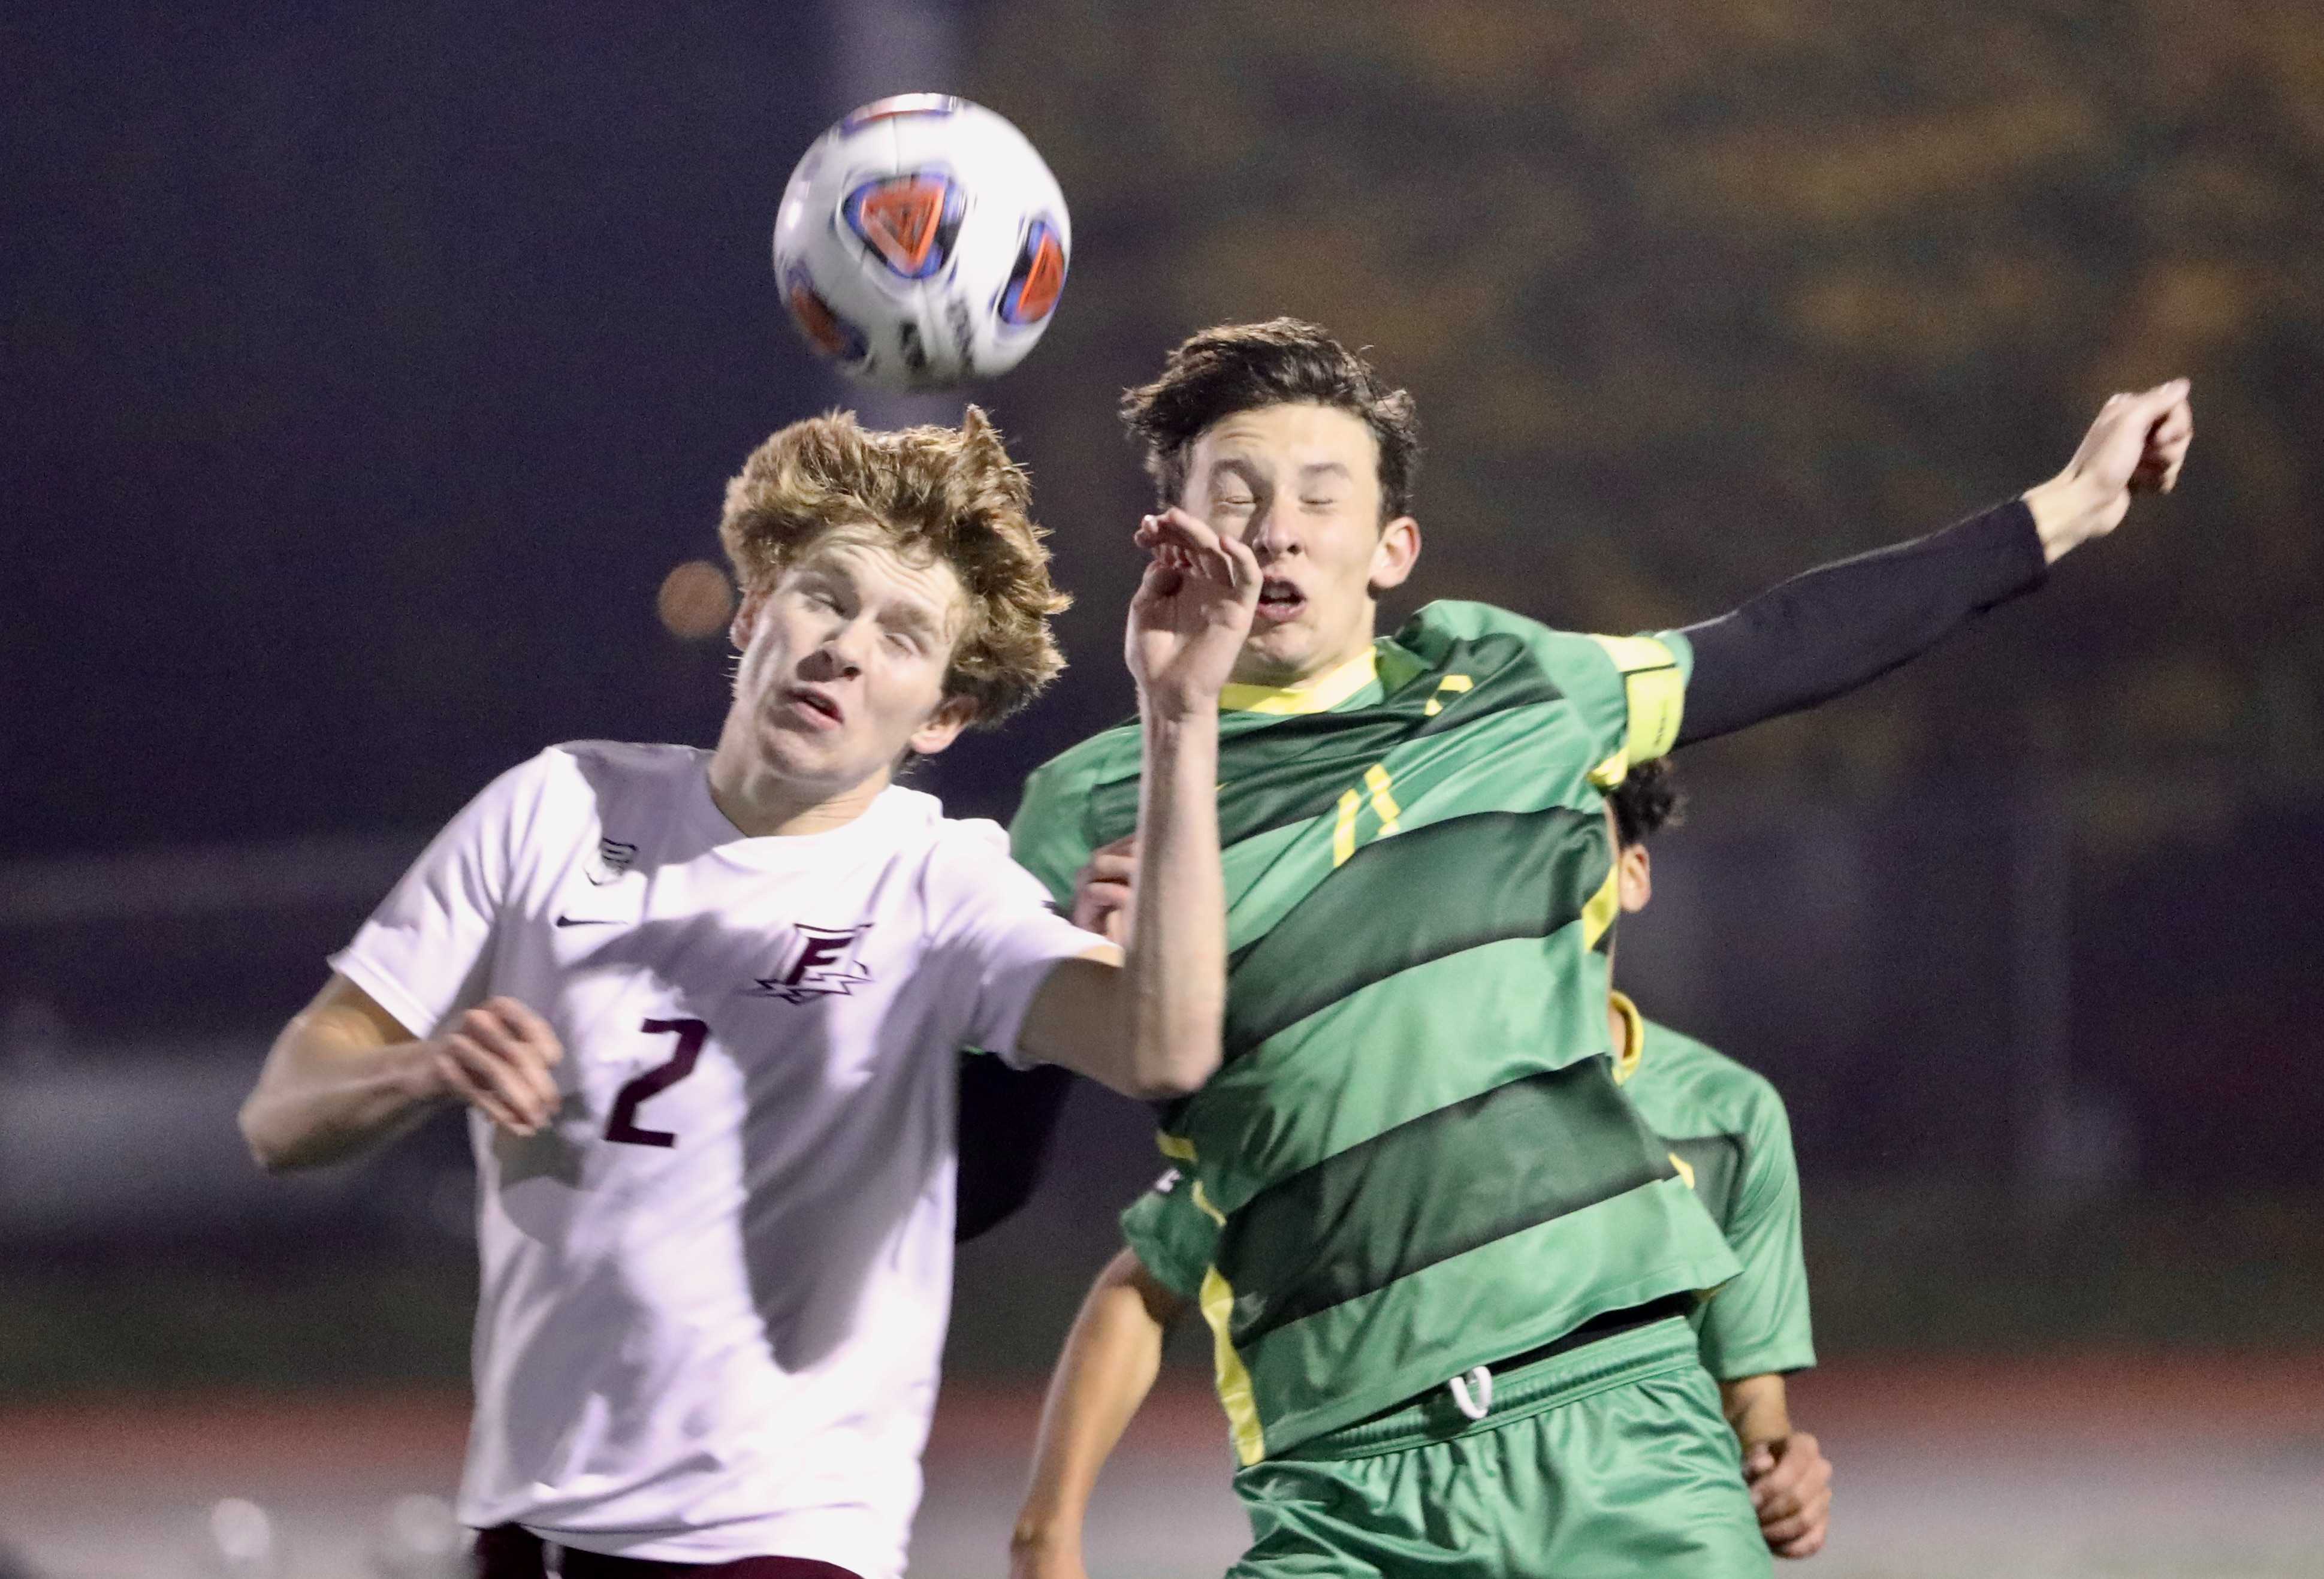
{"x":1320,"y":695}
{"x":1634,"y":1037}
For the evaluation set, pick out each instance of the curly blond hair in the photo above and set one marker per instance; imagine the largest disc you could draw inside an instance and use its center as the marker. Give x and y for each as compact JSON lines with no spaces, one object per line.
{"x":927,"y":492}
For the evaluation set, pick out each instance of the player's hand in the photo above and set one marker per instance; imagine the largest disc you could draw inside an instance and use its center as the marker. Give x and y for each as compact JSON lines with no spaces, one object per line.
{"x":497,"y":1057}
{"x":2136,"y":446}
{"x":1790,"y":1482}
{"x":1102,"y":891}
{"x":1192,"y":614}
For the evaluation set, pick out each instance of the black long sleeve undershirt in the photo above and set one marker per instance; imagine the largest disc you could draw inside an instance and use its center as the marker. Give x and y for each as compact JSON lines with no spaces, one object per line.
{"x":1006,"y":1119}
{"x":1832,"y":629}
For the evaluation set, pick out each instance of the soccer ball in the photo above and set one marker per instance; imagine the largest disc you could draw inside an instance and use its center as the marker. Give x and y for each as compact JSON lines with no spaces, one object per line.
{"x":922,"y":243}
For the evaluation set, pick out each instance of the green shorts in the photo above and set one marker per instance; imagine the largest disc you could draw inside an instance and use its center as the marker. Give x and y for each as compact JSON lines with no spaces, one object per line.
{"x":1610,"y":1461}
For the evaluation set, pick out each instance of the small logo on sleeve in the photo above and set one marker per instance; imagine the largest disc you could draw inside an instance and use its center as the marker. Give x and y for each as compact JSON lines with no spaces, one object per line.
{"x":820,"y":963}
{"x":612,"y":863}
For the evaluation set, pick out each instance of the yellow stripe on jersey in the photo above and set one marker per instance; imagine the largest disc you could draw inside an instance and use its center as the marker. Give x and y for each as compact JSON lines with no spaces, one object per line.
{"x":1633,"y":1050}
{"x":1655,"y":688}
{"x":1343,"y":830}
{"x":1202,"y":1205}
{"x":1177,"y":1148}
{"x":1599,"y":911}
{"x":1234,"y":1380}
{"x":1384,"y":806}
{"x":1320,"y":695}
{"x":1450,"y":685}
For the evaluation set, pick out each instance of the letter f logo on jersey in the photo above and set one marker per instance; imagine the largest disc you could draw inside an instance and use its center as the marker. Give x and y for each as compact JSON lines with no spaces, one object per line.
{"x":822,"y":961}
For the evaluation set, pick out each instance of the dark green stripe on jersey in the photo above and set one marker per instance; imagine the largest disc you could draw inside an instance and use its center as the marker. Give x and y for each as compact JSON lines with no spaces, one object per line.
{"x":1717,"y":1163}
{"x":1432,"y":1188}
{"x":1279,"y":771}
{"x":1404,"y":901}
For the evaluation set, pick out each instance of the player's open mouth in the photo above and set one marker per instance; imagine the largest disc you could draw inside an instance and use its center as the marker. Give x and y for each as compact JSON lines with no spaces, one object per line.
{"x":1279,"y":601}
{"x":819,"y":710}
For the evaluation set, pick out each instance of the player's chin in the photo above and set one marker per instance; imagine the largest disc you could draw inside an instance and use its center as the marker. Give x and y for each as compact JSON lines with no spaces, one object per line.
{"x":1284,"y":646}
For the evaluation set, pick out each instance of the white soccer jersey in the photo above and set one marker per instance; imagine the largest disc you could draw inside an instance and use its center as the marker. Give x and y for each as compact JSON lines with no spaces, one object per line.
{"x":715,"y":1288}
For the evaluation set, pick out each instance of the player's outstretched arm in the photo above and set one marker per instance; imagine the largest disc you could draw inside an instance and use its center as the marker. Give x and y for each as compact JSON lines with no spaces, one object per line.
{"x":1151,"y":1029}
{"x":1828,"y":632}
{"x":1107,"y":1368}
{"x":345,"y":1075}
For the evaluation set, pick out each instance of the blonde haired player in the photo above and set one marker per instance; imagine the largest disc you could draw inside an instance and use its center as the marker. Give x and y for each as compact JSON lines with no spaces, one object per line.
{"x":703,"y":1007}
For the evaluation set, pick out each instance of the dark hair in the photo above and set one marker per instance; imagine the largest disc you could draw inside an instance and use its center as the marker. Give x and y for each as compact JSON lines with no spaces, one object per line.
{"x":1241,"y":367}
{"x":1646,"y":802}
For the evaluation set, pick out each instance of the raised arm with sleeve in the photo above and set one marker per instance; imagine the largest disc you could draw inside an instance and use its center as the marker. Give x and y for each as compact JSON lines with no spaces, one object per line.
{"x":1833,"y":629}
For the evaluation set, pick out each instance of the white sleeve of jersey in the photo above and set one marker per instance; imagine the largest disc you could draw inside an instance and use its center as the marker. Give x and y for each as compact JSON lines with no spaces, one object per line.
{"x":998,"y":934}
{"x":423,"y":954}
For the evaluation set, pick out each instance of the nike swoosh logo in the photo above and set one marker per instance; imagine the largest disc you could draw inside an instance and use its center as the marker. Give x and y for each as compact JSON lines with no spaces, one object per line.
{"x":586,"y":921}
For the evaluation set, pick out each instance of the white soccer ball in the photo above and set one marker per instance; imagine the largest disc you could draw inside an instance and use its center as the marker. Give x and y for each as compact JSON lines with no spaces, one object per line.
{"x":922,"y":243}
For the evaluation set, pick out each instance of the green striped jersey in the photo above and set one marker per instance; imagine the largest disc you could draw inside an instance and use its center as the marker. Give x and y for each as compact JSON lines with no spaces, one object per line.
{"x":1414,"y":1151}
{"x":1729,"y":1138}
{"x":1727,"y":1133}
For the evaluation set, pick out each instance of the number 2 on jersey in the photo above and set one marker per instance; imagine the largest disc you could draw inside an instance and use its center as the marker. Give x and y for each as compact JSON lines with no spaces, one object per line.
{"x":622,"y":1124}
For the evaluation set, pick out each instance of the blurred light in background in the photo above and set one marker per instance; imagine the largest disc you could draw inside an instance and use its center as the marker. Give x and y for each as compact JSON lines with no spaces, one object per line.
{"x":695,"y":601}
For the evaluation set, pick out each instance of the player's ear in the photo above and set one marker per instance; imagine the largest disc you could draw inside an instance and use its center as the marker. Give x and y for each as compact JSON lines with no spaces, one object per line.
{"x":952,"y":714}
{"x":746,"y":619}
{"x":1634,"y":882}
{"x":1395,"y":554}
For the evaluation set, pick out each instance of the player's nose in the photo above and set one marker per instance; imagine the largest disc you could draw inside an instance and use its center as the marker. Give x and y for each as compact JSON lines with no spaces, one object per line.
{"x":838,"y":656}
{"x":1272,"y":534}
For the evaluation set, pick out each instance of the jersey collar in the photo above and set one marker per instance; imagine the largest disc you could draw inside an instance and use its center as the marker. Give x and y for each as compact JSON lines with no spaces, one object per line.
{"x":1320,"y":695}
{"x":1634,"y":1037}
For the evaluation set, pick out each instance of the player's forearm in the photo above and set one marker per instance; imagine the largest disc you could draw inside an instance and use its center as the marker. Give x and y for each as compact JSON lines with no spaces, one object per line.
{"x":1108,"y":1367}
{"x":1755,"y":1407}
{"x":1833,"y":629}
{"x":333,"y":1087}
{"x":1176,"y":968}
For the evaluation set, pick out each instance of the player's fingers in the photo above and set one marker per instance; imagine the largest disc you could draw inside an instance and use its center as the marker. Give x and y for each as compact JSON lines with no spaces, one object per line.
{"x":1808,"y":1521}
{"x":520,"y":1064}
{"x":1758,"y":1462}
{"x":528,"y":1026}
{"x":1094,"y":902}
{"x":518,"y":1068}
{"x":1157,"y":584}
{"x":468,"y":1072}
{"x":2174,"y":425}
{"x":1807,"y":1545}
{"x":1111,"y":866}
{"x":2150,"y":406}
{"x":1125,"y":845}
{"x":1203,"y":545}
{"x":1774,"y":1501}
{"x":1789,"y":1527}
{"x":1242,"y":564}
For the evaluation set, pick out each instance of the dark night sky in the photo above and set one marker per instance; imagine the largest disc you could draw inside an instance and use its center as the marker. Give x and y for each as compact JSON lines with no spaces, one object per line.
{"x":366,"y":371}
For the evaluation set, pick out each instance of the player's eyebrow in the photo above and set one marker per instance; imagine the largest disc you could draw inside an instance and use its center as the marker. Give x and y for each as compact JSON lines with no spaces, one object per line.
{"x":1241,"y":467}
{"x":1321,"y":470}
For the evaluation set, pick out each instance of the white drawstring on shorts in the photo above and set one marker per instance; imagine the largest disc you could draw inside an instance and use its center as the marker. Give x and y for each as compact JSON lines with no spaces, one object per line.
{"x":1478,"y":1407}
